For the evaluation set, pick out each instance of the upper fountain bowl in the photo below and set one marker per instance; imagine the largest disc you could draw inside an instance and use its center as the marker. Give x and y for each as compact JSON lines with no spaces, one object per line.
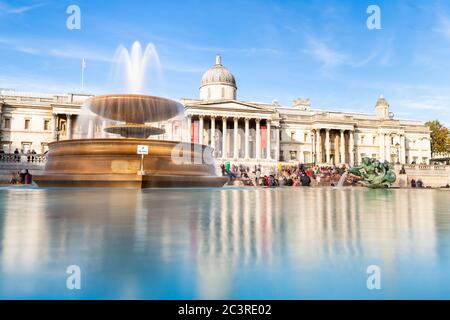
{"x":134,"y":108}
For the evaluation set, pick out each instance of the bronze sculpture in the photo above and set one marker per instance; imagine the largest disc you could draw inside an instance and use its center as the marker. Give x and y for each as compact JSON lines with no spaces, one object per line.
{"x":374,"y":174}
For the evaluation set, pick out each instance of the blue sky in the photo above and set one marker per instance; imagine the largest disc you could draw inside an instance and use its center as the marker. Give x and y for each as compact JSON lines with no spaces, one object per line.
{"x":277,"y":50}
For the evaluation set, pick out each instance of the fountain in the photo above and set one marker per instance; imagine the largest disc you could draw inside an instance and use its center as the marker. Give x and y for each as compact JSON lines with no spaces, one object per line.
{"x":115,"y":162}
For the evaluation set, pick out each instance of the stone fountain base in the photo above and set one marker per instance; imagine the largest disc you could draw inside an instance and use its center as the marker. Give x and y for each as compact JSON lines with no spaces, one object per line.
{"x":115,"y":163}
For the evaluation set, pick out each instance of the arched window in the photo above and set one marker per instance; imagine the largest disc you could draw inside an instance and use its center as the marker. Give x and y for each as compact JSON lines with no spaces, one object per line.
{"x":209,"y":93}
{"x":223,"y":93}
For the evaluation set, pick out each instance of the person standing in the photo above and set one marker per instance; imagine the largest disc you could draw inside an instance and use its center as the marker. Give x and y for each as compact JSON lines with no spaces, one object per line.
{"x":258,"y":176}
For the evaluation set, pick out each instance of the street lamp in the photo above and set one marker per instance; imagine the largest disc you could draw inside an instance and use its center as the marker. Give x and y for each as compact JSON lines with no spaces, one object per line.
{"x":57,"y":130}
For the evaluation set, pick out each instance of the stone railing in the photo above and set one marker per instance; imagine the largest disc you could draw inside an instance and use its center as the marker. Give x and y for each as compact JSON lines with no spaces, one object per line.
{"x":22,"y":158}
{"x":426,"y":167}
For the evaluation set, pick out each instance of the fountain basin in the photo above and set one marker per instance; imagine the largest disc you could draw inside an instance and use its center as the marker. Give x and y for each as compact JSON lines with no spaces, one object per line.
{"x":134,"y":108}
{"x":115,"y":163}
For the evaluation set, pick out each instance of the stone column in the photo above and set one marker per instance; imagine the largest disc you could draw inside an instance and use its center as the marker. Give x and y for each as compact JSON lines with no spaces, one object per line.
{"x":351,"y":147}
{"x":213,"y":132}
{"x":200,"y":129}
{"x":235,"y":139}
{"x":224,"y":138}
{"x":258,"y":139}
{"x":55,"y":127}
{"x":388,"y":147}
{"x":268,"y":155}
{"x":420,"y":156}
{"x":69,"y":126}
{"x":342,"y":147}
{"x":277,"y":139}
{"x":91,"y":129}
{"x":247,"y":140}
{"x":382,"y":148}
{"x":189,"y":128}
{"x":318,"y":147}
{"x":327,"y":145}
{"x":402,"y":150}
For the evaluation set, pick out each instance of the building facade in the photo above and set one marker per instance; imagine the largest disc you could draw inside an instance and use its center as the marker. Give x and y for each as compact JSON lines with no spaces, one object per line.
{"x":239,"y":131}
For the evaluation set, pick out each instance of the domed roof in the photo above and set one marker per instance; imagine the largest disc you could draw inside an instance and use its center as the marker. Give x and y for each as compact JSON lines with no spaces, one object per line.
{"x":218,"y":74}
{"x":382,"y":102}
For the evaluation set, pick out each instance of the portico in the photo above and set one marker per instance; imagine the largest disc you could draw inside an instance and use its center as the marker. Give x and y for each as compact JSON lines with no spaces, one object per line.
{"x":236,"y":137}
{"x":333,"y":145}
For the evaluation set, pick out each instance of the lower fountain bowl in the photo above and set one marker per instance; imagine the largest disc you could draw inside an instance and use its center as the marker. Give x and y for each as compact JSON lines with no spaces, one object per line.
{"x":115,"y":163}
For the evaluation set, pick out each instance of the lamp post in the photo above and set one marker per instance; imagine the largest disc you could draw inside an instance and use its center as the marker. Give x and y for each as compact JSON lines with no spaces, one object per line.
{"x":57,"y":133}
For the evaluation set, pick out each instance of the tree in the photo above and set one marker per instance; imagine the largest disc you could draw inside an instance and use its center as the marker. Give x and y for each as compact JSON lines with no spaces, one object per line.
{"x":440,"y":142}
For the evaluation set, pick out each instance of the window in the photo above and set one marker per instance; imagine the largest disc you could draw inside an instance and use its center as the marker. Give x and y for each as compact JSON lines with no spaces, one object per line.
{"x":6,"y":147}
{"x":305,"y":137}
{"x":26,"y":146}
{"x":209,"y":93}
{"x":362,"y":139}
{"x":374,"y":140}
{"x":292,"y":136}
{"x":7,"y":123}
{"x":223,"y":93}
{"x":392,"y":141}
{"x":46,"y":125}
{"x":27,"y":124}
{"x":307,"y":157}
{"x":293,"y":155}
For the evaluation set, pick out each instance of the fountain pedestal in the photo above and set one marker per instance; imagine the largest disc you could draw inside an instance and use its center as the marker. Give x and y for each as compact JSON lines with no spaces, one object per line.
{"x":114,"y":163}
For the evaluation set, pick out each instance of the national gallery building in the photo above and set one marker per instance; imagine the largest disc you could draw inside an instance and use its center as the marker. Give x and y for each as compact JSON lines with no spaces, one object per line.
{"x":239,"y":131}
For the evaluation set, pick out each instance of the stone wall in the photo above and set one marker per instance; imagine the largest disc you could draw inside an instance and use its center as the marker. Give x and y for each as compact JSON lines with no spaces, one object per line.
{"x":7,"y":169}
{"x":434,"y":176}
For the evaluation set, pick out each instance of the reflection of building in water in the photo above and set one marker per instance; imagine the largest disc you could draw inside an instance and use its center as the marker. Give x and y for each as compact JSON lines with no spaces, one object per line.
{"x":240,"y":227}
{"x":373,"y":224}
{"x":310,"y":228}
{"x":24,"y":231}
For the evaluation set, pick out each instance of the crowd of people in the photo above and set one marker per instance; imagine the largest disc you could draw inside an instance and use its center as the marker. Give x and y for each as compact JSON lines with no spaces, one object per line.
{"x":292,"y":176}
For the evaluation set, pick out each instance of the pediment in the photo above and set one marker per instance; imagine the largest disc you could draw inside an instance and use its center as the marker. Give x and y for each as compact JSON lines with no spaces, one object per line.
{"x":232,"y":105}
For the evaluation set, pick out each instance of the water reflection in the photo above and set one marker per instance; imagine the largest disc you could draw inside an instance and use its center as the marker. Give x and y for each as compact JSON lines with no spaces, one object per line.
{"x":242,"y":243}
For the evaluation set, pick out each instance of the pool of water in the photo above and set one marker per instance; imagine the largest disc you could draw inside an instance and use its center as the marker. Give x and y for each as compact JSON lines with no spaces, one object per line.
{"x":293,"y":243}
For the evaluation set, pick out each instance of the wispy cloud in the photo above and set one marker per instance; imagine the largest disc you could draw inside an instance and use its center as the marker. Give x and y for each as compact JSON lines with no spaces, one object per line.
{"x":6,"y":8}
{"x":215,"y":49}
{"x":323,"y":52}
{"x":56,"y":49}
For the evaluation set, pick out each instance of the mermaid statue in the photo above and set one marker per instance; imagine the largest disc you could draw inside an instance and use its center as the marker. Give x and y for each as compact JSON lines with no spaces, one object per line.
{"x":374,"y":174}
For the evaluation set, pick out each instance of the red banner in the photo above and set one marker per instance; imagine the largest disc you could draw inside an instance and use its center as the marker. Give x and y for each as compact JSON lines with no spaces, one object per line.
{"x":263,"y":137}
{"x":194,"y":132}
